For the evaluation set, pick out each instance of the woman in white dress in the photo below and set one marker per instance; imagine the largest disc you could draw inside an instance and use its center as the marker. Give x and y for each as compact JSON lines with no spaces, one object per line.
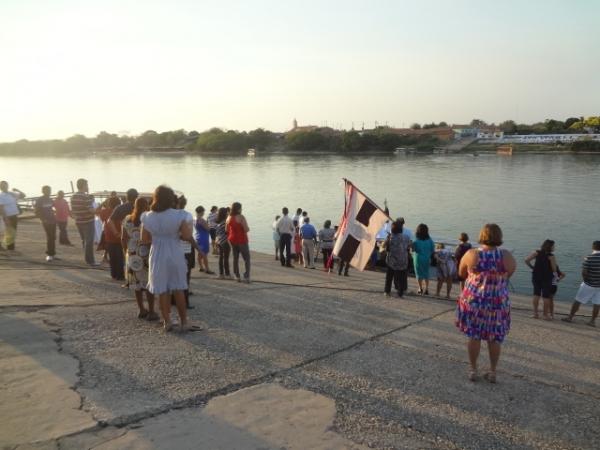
{"x":164,"y":226}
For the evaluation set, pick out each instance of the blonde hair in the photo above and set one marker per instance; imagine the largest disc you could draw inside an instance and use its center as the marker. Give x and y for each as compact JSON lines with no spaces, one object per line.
{"x":490,"y":235}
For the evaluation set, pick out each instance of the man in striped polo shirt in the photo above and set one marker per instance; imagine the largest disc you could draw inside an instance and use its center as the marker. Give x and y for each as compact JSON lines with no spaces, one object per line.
{"x":589,"y":291}
{"x":83,"y":211}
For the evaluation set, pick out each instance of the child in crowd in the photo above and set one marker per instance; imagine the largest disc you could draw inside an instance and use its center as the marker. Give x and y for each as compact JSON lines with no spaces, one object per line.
{"x":212,"y":229}
{"x":557,"y":276}
{"x":202,"y":239}
{"x":446,"y":268}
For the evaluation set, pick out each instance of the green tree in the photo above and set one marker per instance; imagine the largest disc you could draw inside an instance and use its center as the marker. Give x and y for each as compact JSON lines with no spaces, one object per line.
{"x":508,"y":126}
{"x":570,"y":121}
{"x":415,"y":126}
{"x":478,"y":123}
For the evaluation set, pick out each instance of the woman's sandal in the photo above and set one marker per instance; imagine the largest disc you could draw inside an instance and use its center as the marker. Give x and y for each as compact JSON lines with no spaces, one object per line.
{"x":191,"y":328}
{"x":143,"y":314}
{"x":490,"y":377}
{"x":167,"y":327}
{"x":473,"y":375}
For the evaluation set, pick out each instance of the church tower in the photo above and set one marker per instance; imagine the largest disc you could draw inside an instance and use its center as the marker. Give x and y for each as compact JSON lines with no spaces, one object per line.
{"x":295,"y":124}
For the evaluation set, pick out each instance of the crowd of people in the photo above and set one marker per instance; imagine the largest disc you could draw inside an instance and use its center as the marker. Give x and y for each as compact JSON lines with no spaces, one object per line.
{"x":151,"y":246}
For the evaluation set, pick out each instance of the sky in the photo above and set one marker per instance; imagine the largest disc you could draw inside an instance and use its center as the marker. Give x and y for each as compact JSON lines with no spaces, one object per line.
{"x":123,"y":66}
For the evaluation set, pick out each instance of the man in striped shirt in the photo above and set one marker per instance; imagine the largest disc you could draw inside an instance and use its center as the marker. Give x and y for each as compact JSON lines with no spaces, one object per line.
{"x":589,"y":291}
{"x":83,"y":211}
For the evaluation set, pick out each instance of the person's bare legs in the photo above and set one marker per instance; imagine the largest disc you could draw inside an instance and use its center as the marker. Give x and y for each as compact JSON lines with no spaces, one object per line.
{"x":150,"y":300}
{"x":536,"y":306}
{"x":494,"y":351}
{"x":165,"y":309}
{"x":181,"y":307}
{"x":595,"y":311}
{"x":574,"y":308}
{"x":139,"y":298}
{"x":426,"y":284}
{"x":448,"y":286}
{"x":420,"y":283}
{"x":473,"y":349}
{"x":551,"y":307}
{"x":440,"y":282}
{"x":205,"y":262}
{"x":546,"y":309}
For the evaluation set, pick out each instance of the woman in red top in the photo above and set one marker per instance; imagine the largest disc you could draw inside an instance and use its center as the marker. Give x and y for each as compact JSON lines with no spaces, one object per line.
{"x":237,"y":234}
{"x":112,"y":242}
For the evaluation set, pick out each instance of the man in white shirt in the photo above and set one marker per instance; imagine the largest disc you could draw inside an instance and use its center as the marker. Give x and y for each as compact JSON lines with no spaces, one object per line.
{"x":10,"y":213}
{"x":285,"y":228}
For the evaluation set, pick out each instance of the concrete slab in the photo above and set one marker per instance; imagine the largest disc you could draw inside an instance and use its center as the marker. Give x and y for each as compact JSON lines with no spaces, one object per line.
{"x":38,"y":397}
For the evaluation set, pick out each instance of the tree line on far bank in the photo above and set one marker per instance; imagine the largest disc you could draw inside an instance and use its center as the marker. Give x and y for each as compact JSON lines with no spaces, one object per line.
{"x":217,"y":140}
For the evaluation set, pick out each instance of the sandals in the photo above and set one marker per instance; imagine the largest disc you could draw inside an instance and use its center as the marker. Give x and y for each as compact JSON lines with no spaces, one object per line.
{"x":151,"y":317}
{"x":567,"y":319}
{"x":143,"y":314}
{"x":167,"y":327}
{"x":490,"y":377}
{"x":473,"y":376}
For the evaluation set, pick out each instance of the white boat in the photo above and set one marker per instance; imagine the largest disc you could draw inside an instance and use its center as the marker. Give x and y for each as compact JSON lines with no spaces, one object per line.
{"x":251,"y":152}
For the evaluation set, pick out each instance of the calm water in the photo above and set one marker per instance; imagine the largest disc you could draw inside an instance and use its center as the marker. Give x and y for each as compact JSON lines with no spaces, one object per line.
{"x":533,"y":197}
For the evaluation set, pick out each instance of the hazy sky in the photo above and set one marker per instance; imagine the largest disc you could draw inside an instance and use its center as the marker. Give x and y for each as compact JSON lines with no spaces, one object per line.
{"x":71,"y":67}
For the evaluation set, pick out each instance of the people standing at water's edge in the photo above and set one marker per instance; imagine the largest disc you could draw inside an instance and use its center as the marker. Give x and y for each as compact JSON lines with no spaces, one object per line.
{"x":557,"y":277}
{"x":83,"y":211}
{"x":10,"y":213}
{"x":276,"y":237}
{"x":309,"y":235}
{"x":285,"y":228}
{"x":422,"y":248}
{"x":112,"y":240}
{"x":459,"y":252}
{"x":223,"y":244}
{"x":237,"y":233}
{"x":188,"y":246}
{"x":589,"y":290}
{"x":396,"y":245}
{"x":63,"y":212}
{"x":446,"y":269}
{"x":137,"y":254}
{"x":163,"y":227}
{"x":202,"y":240}
{"x":483,"y":310}
{"x":44,"y":210}
{"x":112,"y":232}
{"x":296,"y":217}
{"x":326,"y":238}
{"x":212,"y":228}
{"x":543,"y":271}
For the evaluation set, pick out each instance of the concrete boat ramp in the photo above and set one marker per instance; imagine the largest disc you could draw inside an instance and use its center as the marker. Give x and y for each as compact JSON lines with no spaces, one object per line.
{"x":299,"y":359}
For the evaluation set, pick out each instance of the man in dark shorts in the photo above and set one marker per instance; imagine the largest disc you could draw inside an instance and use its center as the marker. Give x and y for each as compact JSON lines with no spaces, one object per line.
{"x":113,"y":243}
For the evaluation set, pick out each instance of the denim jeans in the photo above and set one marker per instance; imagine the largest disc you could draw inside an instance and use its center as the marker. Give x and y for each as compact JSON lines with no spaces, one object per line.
{"x":87,"y":232}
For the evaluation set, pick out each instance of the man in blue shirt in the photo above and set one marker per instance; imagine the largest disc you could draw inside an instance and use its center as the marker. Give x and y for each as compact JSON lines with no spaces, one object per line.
{"x":308,"y":233}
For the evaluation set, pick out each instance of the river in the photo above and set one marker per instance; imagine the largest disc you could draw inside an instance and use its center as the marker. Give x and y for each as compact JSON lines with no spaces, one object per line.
{"x":532,"y":197}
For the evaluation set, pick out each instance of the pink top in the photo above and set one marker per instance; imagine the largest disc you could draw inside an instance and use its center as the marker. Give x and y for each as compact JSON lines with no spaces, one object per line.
{"x":62,"y":210}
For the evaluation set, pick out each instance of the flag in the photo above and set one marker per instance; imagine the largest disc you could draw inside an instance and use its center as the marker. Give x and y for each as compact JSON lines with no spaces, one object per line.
{"x":358,"y":228}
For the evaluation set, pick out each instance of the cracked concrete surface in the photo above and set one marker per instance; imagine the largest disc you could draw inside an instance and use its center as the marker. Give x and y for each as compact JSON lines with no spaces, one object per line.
{"x":298,"y":359}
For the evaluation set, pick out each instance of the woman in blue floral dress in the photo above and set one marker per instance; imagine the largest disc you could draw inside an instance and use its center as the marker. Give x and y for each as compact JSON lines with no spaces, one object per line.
{"x":483,"y":310}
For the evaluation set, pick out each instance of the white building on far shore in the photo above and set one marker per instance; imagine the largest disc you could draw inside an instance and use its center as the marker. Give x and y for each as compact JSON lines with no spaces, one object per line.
{"x":540,"y":138}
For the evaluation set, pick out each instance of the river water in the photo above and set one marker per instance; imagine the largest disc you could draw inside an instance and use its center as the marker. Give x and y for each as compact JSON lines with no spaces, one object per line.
{"x":532,"y":197}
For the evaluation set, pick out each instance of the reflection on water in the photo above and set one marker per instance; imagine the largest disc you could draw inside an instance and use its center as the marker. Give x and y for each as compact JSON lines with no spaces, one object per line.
{"x":532,"y":197}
